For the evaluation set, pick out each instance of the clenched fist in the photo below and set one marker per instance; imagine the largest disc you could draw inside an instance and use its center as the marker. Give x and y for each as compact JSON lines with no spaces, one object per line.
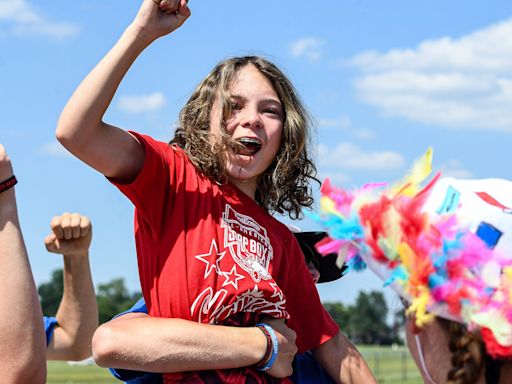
{"x":71,"y":235}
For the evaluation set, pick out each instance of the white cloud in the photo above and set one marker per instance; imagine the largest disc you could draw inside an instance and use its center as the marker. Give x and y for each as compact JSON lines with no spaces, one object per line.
{"x":54,"y":149}
{"x":337,"y":178}
{"x":364,"y":134}
{"x":22,"y":19}
{"x":142,"y":103}
{"x":454,"y":168}
{"x":308,"y":47}
{"x":342,"y":122}
{"x":463,"y":83}
{"x":351,"y":157}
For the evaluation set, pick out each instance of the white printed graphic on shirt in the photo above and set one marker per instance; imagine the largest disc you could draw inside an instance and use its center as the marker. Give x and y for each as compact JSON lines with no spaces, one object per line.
{"x":209,"y":305}
{"x":248,"y":243}
{"x":212,"y":260}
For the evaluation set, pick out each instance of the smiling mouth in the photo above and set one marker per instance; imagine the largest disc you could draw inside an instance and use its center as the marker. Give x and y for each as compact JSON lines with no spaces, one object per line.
{"x":250,"y":147}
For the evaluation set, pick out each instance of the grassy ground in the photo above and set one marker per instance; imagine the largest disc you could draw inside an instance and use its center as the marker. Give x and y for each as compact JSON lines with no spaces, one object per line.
{"x":390,"y":366}
{"x":61,"y":372}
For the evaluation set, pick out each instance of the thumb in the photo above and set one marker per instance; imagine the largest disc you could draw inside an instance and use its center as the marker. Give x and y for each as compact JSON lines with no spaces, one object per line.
{"x":50,"y":241}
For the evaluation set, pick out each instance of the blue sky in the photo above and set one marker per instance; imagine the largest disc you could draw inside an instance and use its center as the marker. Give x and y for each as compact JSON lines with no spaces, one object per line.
{"x":384,"y":81}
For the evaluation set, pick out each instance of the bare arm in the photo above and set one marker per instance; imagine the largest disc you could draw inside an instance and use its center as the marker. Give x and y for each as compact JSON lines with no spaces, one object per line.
{"x":343,"y":361}
{"x":23,"y":346}
{"x":110,"y":150}
{"x":138,"y":342}
{"x":77,"y":315}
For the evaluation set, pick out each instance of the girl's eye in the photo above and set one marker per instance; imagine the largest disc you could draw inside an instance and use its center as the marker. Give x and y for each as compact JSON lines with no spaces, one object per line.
{"x":272,"y":111}
{"x":235,"y":106}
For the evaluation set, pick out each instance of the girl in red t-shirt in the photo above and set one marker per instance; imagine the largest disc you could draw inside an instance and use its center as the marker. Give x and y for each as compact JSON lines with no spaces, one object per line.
{"x":212,"y":260}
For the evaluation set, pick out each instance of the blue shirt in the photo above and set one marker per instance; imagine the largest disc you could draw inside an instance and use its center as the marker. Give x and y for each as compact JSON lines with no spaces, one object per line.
{"x":49,"y":327}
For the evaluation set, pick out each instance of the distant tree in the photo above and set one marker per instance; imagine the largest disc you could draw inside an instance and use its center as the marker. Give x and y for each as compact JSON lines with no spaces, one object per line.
{"x":50,"y":293}
{"x":368,"y":319}
{"x":398,"y":326}
{"x":341,"y":315}
{"x":113,"y":298}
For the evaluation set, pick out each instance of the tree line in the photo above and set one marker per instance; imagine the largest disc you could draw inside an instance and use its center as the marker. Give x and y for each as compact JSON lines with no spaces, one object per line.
{"x":364,"y":322}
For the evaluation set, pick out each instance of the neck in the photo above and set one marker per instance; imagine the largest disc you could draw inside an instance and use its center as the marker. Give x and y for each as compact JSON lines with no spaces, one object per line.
{"x":248,"y":187}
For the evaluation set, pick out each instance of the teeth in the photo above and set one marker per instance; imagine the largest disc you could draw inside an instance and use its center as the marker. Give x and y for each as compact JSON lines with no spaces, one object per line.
{"x":252,"y":145}
{"x":249,"y":141}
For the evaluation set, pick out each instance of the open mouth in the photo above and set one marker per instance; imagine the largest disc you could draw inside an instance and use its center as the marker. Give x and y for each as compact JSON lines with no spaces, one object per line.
{"x":251,"y":146}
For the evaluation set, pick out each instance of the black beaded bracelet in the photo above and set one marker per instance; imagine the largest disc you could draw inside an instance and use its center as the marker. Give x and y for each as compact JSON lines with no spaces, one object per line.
{"x":268,"y":352}
{"x":8,"y":183}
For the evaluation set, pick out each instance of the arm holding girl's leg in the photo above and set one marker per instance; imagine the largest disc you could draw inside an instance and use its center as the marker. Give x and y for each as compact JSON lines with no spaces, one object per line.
{"x":138,"y":342}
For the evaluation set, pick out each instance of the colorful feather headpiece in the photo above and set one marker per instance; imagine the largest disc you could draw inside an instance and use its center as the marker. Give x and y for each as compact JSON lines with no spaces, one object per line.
{"x":444,"y":244}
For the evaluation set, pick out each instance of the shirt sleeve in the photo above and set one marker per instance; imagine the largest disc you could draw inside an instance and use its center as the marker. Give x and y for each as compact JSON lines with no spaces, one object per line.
{"x":136,"y":377}
{"x":308,"y":317}
{"x":49,"y":326}
{"x":138,"y":307}
{"x":150,"y":192}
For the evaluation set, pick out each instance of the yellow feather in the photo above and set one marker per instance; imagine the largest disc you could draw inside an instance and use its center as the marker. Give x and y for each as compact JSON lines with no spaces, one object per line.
{"x":409,"y":185}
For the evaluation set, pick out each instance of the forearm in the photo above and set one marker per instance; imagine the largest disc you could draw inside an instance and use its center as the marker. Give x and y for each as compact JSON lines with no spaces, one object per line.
{"x":80,"y":128}
{"x":343,"y":361}
{"x":21,"y":323}
{"x":175,"y":345}
{"x":77,"y":315}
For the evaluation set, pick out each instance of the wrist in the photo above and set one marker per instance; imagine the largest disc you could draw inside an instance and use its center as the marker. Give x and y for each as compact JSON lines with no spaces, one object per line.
{"x":272,"y":347}
{"x":76,"y":256}
{"x":258,"y":346}
{"x":8,"y":203}
{"x":8,"y":183}
{"x":140,"y":35}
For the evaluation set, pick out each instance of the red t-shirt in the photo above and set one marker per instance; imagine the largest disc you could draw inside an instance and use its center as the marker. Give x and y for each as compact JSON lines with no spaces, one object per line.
{"x":209,"y":253}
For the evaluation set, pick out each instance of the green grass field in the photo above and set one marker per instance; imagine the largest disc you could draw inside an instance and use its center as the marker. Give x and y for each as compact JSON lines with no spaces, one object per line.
{"x":61,"y":372}
{"x":390,"y":366}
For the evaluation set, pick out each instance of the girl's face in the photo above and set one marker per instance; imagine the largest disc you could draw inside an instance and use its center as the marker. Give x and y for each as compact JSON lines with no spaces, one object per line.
{"x":256,"y":122}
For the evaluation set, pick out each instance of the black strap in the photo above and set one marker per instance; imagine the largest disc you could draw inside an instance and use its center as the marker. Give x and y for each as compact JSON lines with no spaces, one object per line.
{"x":8,"y":183}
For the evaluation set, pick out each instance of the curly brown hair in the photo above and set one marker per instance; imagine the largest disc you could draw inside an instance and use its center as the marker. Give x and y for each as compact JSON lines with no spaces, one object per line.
{"x":285,"y":185}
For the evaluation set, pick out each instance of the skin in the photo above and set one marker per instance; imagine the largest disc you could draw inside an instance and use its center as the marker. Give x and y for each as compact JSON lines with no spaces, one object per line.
{"x":23,"y":346}
{"x":434,"y":340}
{"x":139,"y":342}
{"x":77,"y":315}
{"x":117,"y":154}
{"x":257,"y":114}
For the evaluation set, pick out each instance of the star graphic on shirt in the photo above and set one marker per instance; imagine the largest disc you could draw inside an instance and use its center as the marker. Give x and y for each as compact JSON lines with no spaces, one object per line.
{"x":277,"y":291}
{"x":230,"y":279}
{"x":211,"y":259}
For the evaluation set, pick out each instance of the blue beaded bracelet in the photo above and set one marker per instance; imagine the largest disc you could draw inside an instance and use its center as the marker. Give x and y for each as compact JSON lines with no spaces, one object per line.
{"x":274,"y":347}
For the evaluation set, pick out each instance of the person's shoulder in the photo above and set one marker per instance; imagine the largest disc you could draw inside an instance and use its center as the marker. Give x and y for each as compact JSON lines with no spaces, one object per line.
{"x":282,"y":232}
{"x":160,"y":146}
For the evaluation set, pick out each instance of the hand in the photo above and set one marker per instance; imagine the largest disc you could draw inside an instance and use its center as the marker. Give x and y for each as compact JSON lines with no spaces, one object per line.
{"x":157,"y":18}
{"x":286,"y":337}
{"x":71,"y":235}
{"x":5,"y":165}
